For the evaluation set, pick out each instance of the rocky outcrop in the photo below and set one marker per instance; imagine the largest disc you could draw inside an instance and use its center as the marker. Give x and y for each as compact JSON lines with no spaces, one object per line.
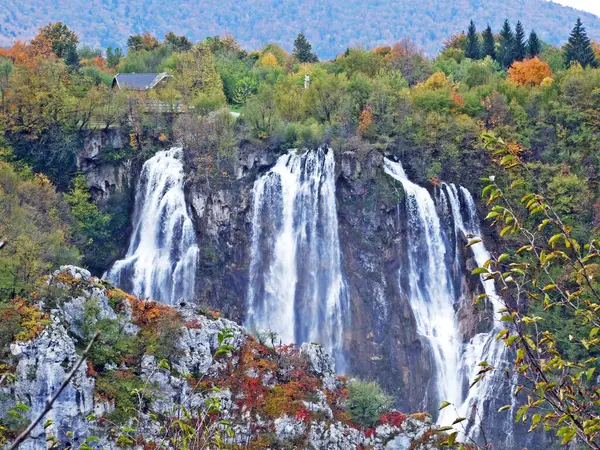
{"x":105,"y":177}
{"x":198,"y":363}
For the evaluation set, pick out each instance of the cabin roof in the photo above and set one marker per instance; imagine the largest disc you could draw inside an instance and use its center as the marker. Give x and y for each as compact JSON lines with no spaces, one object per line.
{"x":138,"y":81}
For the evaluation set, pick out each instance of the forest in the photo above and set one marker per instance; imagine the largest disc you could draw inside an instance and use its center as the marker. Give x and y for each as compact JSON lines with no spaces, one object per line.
{"x":331,"y":27}
{"x":492,"y":99}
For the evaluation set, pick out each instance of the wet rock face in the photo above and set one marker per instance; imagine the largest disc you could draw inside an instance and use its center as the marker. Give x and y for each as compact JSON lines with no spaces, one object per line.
{"x":105,"y":178}
{"x":381,"y":340}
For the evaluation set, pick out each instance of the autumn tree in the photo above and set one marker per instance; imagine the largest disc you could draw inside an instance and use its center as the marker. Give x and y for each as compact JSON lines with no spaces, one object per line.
{"x":506,"y":54}
{"x":519,"y":46}
{"x":489,"y":43}
{"x":303,"y":50}
{"x":472,"y":45}
{"x":142,"y":42}
{"x":62,"y":40}
{"x":178,"y":43}
{"x":533,"y":45}
{"x":196,"y":77}
{"x":579,"y":47}
{"x":529,"y":72}
{"x":408,"y":59}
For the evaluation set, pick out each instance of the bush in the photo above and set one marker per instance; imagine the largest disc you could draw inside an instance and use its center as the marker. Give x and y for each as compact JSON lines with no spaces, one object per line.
{"x":366,"y":402}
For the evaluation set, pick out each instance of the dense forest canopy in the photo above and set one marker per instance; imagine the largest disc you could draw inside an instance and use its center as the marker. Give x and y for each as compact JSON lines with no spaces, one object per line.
{"x":539,"y":103}
{"x":331,"y":26}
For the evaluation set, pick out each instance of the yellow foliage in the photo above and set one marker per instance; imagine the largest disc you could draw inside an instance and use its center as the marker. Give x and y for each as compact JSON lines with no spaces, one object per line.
{"x":530,"y":72}
{"x":437,"y":81}
{"x":269,"y":60}
{"x":547,"y":82}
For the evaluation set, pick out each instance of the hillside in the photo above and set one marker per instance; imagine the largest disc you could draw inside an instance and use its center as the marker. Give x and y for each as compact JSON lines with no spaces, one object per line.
{"x":331,"y":26}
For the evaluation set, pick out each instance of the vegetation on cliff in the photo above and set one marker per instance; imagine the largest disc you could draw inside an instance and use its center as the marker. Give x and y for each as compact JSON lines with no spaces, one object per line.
{"x":540,"y":102}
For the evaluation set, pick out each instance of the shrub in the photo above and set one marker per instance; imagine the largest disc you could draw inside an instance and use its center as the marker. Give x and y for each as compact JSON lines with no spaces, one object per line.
{"x":366,"y":402}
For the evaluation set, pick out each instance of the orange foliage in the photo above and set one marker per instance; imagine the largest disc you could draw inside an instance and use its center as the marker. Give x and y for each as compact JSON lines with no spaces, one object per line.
{"x":26,"y":54}
{"x":529,"y":72}
{"x":30,"y":320}
{"x":365,"y":120}
{"x":382,"y":50}
{"x":149,"y":312}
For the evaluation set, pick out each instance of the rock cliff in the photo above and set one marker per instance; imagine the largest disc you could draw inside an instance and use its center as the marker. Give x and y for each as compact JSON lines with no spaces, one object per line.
{"x":157,"y":371}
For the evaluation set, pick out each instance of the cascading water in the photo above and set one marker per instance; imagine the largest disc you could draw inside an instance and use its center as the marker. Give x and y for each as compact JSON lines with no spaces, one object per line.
{"x":434,"y":297}
{"x":296,"y":286}
{"x":430,"y":290}
{"x":483,"y":346}
{"x":161,"y":261}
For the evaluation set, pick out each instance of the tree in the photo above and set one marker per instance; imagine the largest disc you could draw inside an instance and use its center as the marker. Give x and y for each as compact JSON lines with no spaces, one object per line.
{"x":519,"y":48}
{"x":113,"y":56}
{"x":472,"y":46}
{"x":179,"y":43}
{"x":506,"y":50}
{"x":489,"y":43}
{"x":142,"y":42}
{"x":529,"y":72}
{"x":303,"y":50}
{"x":553,"y":273}
{"x":533,"y":45}
{"x":579,"y":48}
{"x":60,"y":37}
{"x":72,"y":58}
{"x":406,"y":58}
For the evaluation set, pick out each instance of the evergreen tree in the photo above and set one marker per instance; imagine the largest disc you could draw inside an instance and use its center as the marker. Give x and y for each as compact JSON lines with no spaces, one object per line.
{"x":489,"y":43}
{"x":472,"y":46}
{"x":72,"y":58}
{"x":303,"y":50}
{"x":506,"y":51}
{"x":579,"y":48}
{"x":533,"y":45}
{"x":519,"y":48}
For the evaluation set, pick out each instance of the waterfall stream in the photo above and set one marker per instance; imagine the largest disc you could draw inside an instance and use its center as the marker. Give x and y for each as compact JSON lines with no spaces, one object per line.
{"x":434,"y":298}
{"x":161,"y":261}
{"x":296,"y":286}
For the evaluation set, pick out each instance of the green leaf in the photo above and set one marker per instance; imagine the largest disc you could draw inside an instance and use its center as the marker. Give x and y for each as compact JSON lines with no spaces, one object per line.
{"x":444,"y":405}
{"x":480,"y":271}
{"x":504,"y":408}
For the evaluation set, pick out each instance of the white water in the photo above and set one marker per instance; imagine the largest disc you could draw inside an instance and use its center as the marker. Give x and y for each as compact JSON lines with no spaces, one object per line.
{"x":433,"y":298}
{"x":296,"y":286}
{"x":483,"y":346}
{"x":161,"y":261}
{"x":430,"y":290}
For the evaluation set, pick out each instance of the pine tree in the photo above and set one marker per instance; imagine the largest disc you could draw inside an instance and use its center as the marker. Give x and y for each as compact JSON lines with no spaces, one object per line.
{"x":472,"y":46}
{"x":533,"y":45}
{"x":489,"y":43}
{"x":519,"y":49}
{"x":303,"y":50}
{"x":506,"y":51}
{"x":579,"y":48}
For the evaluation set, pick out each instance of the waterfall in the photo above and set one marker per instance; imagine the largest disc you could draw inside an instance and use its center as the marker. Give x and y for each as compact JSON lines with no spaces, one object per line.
{"x":483,"y":346}
{"x":161,"y":261}
{"x":430,"y":289}
{"x":296,"y":287}
{"x":434,"y":298}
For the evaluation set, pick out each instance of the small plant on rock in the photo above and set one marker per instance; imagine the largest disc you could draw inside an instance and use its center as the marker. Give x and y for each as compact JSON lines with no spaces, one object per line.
{"x":366,"y":402}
